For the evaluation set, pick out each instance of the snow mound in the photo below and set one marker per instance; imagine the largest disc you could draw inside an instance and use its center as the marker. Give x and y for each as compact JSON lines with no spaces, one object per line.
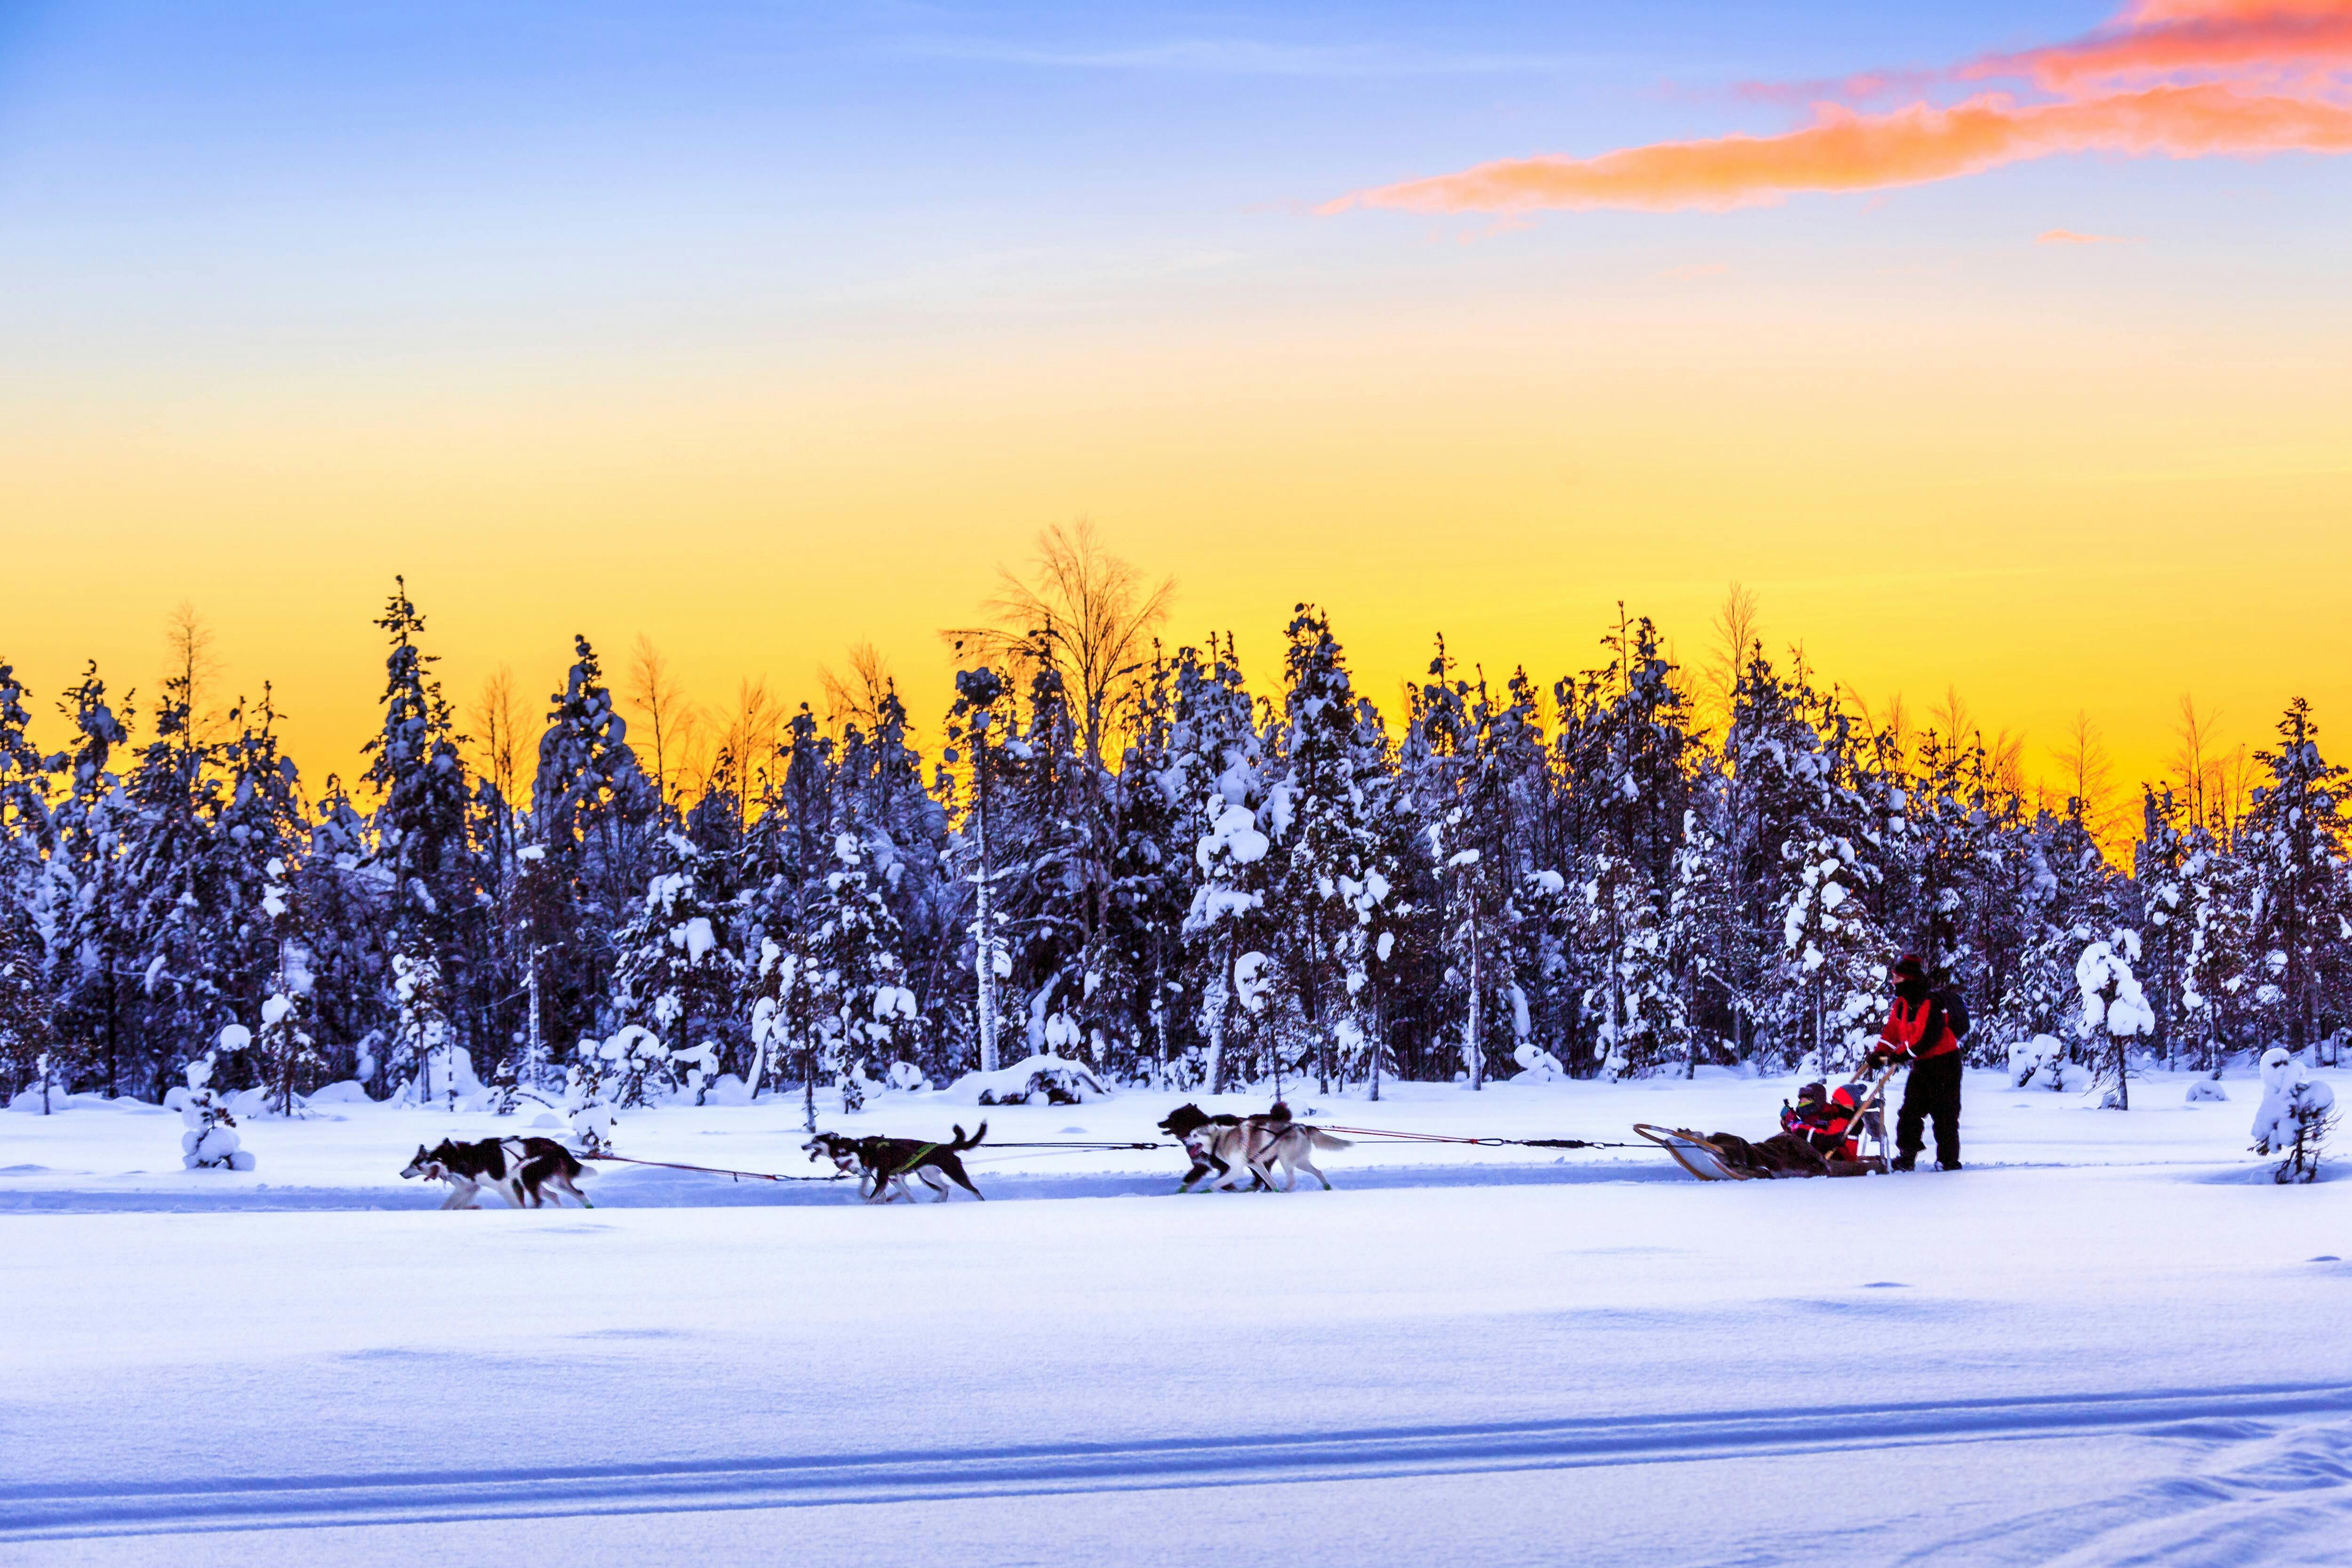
{"x":1539,"y":1065}
{"x":350,"y":1091}
{"x":729,"y":1089}
{"x":2206,"y":1088}
{"x":1048,"y":1079}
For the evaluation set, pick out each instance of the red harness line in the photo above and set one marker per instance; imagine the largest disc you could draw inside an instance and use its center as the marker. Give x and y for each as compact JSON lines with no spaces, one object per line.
{"x":711,"y":1170}
{"x":1483,"y":1143}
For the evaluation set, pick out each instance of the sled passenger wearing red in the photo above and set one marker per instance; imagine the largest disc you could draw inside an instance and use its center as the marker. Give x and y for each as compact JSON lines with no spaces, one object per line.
{"x":1923,"y":1030}
{"x":1825,"y":1120}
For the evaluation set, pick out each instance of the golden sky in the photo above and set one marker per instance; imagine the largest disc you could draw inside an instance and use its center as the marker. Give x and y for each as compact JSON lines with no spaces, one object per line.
{"x":2068,"y":436}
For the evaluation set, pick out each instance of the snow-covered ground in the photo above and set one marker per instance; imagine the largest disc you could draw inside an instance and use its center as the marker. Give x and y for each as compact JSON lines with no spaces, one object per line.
{"x":2111,"y":1340}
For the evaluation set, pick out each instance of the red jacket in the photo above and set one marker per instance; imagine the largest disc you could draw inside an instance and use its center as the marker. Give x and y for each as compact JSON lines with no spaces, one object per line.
{"x":1918,"y":1030}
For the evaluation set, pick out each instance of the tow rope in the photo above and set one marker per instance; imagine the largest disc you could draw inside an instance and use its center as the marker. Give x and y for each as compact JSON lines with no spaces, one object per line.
{"x":713,"y":1170}
{"x":1482,"y":1143}
{"x":992,"y":1144}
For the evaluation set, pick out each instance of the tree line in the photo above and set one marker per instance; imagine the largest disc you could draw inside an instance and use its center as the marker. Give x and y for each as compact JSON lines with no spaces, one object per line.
{"x":1123,"y":854}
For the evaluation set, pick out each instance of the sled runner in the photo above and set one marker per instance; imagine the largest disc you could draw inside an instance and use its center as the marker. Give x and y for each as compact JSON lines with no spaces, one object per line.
{"x":1693,"y":1153}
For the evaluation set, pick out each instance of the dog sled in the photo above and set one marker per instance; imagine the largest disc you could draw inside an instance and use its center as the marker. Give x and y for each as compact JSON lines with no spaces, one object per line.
{"x":1860,"y":1148}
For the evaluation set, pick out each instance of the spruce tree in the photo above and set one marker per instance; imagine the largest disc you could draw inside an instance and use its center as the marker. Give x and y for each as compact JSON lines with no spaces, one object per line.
{"x":2294,"y":837}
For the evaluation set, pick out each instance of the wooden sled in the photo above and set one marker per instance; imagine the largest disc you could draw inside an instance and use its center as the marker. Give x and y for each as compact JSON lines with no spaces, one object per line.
{"x":1708,"y":1162}
{"x":1694,"y":1153}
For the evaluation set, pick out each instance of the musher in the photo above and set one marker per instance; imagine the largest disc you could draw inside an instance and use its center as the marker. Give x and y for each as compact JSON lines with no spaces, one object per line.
{"x":1923,"y":1030}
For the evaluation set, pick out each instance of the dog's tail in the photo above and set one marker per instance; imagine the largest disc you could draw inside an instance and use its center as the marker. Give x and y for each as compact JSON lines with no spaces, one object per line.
{"x":1323,"y":1140}
{"x":962,"y":1142}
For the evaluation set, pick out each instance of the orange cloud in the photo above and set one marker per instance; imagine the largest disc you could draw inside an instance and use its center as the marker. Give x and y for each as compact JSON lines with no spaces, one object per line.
{"x":1843,"y":151}
{"x":2187,"y":79}
{"x":1695,"y":269}
{"x":2069,"y":236}
{"x":2271,"y":41}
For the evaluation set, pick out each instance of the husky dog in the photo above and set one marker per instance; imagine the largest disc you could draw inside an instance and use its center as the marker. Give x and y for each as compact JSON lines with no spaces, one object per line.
{"x":523,"y":1171}
{"x":883,"y":1165}
{"x":1201,"y":1132}
{"x":1258,"y":1144}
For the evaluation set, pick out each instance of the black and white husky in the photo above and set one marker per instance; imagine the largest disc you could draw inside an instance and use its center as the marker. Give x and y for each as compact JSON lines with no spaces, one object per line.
{"x":523,"y":1171}
{"x":883,"y":1165}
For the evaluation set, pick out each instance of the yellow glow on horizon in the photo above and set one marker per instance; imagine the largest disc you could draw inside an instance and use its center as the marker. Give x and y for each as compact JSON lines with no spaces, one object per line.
{"x":2048,"y":516}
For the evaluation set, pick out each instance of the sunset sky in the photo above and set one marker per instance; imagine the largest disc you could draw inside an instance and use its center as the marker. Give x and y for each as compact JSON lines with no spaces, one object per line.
{"x":2000,"y":346}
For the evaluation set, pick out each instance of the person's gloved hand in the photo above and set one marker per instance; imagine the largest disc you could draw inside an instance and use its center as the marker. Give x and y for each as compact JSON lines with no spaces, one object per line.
{"x":1880,"y":1055}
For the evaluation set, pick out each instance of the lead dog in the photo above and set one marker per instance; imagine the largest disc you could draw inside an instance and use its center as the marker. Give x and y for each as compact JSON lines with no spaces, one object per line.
{"x":883,"y":1165}
{"x":1258,"y":1143}
{"x":523,"y":1171}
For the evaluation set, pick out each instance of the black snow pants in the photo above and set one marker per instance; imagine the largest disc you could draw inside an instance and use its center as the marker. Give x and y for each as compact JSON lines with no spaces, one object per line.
{"x":1933,"y":1090}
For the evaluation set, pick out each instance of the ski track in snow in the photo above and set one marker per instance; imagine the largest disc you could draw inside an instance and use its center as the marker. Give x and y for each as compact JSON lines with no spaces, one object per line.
{"x":2313,"y":1465}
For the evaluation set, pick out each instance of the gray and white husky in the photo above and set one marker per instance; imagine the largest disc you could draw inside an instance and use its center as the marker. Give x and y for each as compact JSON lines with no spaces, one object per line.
{"x":1256,"y":1145}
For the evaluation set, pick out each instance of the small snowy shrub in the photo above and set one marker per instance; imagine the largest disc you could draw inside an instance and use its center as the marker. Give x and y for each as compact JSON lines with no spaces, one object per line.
{"x":2043,"y":1056}
{"x":586,"y":1103}
{"x":1537,"y":1065}
{"x":210,"y":1142}
{"x":2296,"y":1112}
{"x":2206,"y":1088}
{"x":1046,"y":1080}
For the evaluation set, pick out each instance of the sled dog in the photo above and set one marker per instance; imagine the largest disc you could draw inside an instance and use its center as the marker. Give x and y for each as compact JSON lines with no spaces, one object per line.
{"x":523,"y":1171}
{"x":883,"y":1165}
{"x":1259,"y":1145}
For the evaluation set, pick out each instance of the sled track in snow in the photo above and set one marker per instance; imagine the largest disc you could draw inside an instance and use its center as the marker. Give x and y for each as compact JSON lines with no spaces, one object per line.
{"x":38,"y":1513}
{"x":676,"y":1189}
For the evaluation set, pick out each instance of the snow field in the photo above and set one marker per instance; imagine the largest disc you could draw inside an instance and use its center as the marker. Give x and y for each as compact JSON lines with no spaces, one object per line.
{"x":2111,"y":1341}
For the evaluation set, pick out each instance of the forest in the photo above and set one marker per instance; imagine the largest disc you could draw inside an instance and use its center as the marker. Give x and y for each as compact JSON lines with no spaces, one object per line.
{"x":1102,"y":848}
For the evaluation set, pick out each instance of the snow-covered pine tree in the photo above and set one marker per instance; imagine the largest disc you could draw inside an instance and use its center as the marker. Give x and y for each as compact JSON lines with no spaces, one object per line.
{"x":980,"y":692}
{"x":422,"y":1041}
{"x":29,"y":1056}
{"x":788,"y":852}
{"x":677,"y":976}
{"x":1150,"y":884}
{"x":863,"y":1013}
{"x":593,"y":808}
{"x":905,"y":832}
{"x":2160,"y":866}
{"x":341,"y":901}
{"x":1331,"y":879}
{"x":183,"y":939}
{"x":534,"y":912}
{"x":29,"y":914}
{"x":1765,"y":786}
{"x":1219,"y":760}
{"x":93,"y":940}
{"x":2072,"y":899}
{"x":2221,"y":903}
{"x":1637,"y":757}
{"x":257,"y":830}
{"x":2295,"y":1117}
{"x":284,"y":1052}
{"x":2294,"y":837}
{"x":2115,"y":1011}
{"x":422,"y":852}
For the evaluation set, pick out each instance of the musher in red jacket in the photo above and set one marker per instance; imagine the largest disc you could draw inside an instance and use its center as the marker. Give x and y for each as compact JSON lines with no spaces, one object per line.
{"x":1919,"y":1031}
